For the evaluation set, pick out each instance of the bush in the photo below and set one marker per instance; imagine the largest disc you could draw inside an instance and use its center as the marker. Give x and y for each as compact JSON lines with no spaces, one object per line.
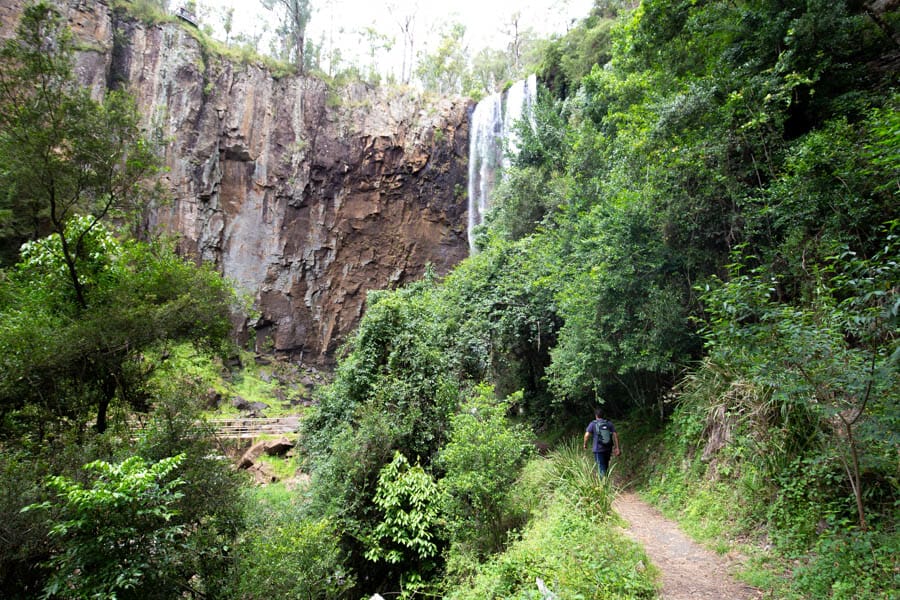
{"x":559,"y":546}
{"x":210,"y":507}
{"x":286,"y":555}
{"x":849,"y":564}
{"x":116,"y":537}
{"x":408,"y":497}
{"x":482,"y":460}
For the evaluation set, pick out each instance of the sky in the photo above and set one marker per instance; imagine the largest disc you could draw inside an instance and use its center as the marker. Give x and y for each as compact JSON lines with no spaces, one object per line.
{"x":342,"y":19}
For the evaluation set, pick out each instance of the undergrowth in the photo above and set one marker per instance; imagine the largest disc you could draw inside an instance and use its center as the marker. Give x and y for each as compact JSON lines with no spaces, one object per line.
{"x":741,"y":474}
{"x":273,"y":383}
{"x":571,"y":546}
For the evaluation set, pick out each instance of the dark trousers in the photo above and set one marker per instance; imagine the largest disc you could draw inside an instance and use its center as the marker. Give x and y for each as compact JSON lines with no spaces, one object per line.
{"x":602,"y":459}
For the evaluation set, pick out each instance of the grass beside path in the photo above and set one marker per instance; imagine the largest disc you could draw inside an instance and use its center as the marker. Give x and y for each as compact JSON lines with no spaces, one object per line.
{"x":570,"y":543}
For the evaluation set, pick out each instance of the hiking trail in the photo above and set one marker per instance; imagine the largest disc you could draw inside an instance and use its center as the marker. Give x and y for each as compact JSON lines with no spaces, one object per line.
{"x":688,"y":571}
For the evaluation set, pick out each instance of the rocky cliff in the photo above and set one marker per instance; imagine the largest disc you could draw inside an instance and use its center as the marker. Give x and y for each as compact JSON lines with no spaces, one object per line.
{"x":306,"y":196}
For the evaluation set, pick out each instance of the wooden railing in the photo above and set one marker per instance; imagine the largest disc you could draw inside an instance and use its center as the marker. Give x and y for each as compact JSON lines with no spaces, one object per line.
{"x":240,"y":427}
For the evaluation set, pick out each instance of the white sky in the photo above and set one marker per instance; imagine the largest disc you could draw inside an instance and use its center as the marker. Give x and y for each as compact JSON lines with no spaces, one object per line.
{"x":484,"y":19}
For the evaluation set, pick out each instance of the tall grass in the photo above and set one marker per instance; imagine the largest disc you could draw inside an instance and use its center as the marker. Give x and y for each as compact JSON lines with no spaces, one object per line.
{"x":574,"y":477}
{"x":569,"y":543}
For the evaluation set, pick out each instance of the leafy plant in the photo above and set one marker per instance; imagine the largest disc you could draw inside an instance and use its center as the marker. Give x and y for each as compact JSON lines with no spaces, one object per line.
{"x":115,"y":536}
{"x":408,"y":532}
{"x":481,"y":461}
{"x":285,"y":553}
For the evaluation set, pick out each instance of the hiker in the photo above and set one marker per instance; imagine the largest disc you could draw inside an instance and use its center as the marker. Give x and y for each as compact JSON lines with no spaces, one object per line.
{"x":606,"y":440}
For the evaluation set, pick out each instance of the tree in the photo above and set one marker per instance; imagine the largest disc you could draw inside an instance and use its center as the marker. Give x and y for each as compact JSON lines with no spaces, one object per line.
{"x":228,"y":22}
{"x":406,"y":21}
{"x":80,"y":306}
{"x":376,"y":42}
{"x":490,"y":71}
{"x":445,"y":71}
{"x":62,"y":153}
{"x":293,"y":26}
{"x":512,"y":29}
{"x":62,"y":360}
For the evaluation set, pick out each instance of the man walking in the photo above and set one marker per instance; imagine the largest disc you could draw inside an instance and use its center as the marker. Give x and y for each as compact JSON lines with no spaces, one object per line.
{"x":606,"y":441}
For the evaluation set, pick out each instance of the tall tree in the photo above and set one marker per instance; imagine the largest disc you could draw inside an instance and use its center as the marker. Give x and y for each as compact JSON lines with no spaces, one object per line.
{"x":406,"y":21}
{"x":295,"y":18}
{"x":62,"y":153}
{"x":376,"y":43}
{"x":446,"y":69}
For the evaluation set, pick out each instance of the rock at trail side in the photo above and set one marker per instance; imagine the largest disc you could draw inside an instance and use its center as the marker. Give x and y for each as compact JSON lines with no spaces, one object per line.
{"x":262,"y":475}
{"x":248,"y":459}
{"x":240,"y":403}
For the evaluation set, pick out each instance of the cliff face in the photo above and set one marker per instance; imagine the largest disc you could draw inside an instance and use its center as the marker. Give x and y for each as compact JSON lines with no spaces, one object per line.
{"x":306,"y":197}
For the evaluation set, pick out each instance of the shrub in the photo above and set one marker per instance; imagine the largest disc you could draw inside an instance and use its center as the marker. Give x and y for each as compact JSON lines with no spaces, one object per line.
{"x":116,"y":537}
{"x":408,"y":497}
{"x":210,"y":507}
{"x":560,"y":547}
{"x":286,"y":555}
{"x":482,"y":460}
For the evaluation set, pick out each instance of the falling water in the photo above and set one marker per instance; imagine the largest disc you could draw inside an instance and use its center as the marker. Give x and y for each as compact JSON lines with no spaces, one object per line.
{"x":492,"y":123}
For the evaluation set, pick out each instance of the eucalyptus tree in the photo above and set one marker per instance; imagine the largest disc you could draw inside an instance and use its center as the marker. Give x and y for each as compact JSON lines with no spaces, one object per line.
{"x":294,"y":20}
{"x":405,"y":18}
{"x":445,"y":70}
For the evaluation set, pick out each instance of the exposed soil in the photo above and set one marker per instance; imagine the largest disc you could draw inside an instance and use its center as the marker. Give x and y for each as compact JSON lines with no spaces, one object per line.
{"x":689,"y":571}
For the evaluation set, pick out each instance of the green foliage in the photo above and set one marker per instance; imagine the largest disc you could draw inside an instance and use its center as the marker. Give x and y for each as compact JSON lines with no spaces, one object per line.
{"x":445,"y":71}
{"x":148,"y":11}
{"x":851,"y":564}
{"x":285,"y":554}
{"x":570,"y":508}
{"x":572,"y":473}
{"x":481,"y":460}
{"x":139,"y":297}
{"x":568,"y":59}
{"x":62,"y":153}
{"x":562,"y":550}
{"x":751,"y":142}
{"x":393,"y":365}
{"x":210,"y":508}
{"x":500,"y":321}
{"x":834,"y":355}
{"x":23,"y":535}
{"x":392,"y":392}
{"x":408,"y":532}
{"x":115,"y":535}
{"x":625,"y":317}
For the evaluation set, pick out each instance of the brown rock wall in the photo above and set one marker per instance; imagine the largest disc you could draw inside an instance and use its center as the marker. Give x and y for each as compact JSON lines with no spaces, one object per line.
{"x":305,"y":196}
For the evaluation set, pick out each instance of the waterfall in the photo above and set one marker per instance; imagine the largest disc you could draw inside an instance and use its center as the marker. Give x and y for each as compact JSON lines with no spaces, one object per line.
{"x":492,"y":124}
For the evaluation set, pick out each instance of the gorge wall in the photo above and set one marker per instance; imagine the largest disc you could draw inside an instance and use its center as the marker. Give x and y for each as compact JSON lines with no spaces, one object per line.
{"x":306,"y":196}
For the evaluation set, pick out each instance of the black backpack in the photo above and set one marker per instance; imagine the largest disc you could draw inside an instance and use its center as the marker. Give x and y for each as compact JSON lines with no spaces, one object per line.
{"x":603,"y":431}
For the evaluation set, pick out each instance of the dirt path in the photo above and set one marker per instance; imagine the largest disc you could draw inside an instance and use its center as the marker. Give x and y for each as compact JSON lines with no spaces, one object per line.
{"x":689,"y":571}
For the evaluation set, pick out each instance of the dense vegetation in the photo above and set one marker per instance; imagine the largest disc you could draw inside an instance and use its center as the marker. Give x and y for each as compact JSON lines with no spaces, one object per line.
{"x":699,"y":233}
